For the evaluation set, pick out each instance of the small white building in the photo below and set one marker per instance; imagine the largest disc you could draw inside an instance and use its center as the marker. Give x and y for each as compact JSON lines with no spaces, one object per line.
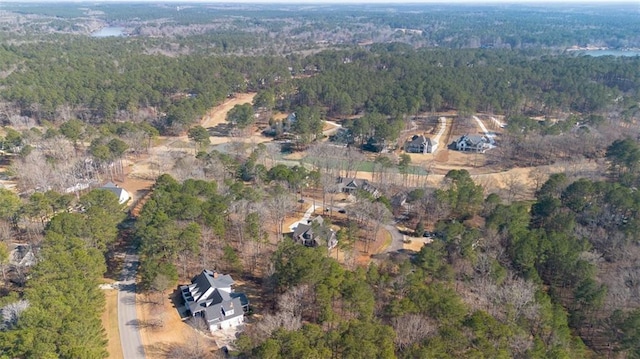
{"x":121,"y":193}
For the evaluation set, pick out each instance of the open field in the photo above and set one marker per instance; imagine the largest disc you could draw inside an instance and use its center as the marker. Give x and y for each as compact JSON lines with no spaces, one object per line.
{"x":416,"y":243}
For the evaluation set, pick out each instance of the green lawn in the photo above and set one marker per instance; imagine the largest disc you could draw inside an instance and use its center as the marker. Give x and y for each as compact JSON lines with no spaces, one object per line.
{"x":366,"y":166}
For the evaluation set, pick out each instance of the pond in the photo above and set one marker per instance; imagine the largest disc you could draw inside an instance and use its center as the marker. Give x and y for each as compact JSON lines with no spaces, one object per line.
{"x":615,"y":53}
{"x":109,"y":31}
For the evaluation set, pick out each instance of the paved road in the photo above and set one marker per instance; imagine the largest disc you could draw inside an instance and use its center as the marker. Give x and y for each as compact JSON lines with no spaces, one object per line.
{"x":127,"y":318}
{"x":396,"y":238}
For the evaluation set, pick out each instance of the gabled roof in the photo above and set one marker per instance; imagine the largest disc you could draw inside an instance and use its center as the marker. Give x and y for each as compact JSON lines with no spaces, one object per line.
{"x":207,"y":289}
{"x":218,"y":312}
{"x":305,"y":232}
{"x":355,"y":183}
{"x":418,"y":140}
{"x":349,"y":182}
{"x":399,"y":199}
{"x":474,"y":139}
{"x":306,"y":228}
{"x":121,"y":193}
{"x":301,"y":229}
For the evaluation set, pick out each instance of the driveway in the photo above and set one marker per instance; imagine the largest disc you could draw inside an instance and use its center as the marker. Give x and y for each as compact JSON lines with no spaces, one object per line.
{"x":397,"y":238}
{"x":127,"y":318}
{"x":305,"y":218}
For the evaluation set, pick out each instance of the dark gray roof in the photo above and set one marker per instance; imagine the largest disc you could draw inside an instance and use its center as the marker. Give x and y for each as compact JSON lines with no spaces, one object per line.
{"x":301,"y":229}
{"x":305,"y":233}
{"x":110,"y":185}
{"x":418,"y":140}
{"x":222,"y":311}
{"x":211,"y":292}
{"x":349,"y":182}
{"x":475,"y":139}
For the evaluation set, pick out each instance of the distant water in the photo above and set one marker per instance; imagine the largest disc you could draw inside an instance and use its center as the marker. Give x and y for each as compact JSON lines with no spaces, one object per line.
{"x":616,"y":53}
{"x":109,"y":31}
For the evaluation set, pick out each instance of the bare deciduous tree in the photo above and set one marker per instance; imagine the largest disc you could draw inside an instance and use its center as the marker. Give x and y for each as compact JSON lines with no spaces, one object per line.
{"x":194,"y":347}
{"x":538,"y":176}
{"x":279,"y":205}
{"x":412,"y":328}
{"x":10,"y":313}
{"x":514,"y":186}
{"x":187,"y":167}
{"x":295,"y":300}
{"x":271,"y":322}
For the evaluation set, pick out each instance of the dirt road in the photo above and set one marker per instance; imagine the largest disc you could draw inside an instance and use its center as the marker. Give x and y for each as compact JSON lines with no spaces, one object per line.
{"x":218,"y":114}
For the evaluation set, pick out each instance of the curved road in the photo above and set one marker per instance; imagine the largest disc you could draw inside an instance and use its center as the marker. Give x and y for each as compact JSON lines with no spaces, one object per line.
{"x":397,"y":239}
{"x":127,"y":318}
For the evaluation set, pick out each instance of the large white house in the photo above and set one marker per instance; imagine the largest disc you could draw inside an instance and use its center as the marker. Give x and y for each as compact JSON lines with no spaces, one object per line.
{"x":419,"y":144}
{"x":475,"y":143}
{"x":210,"y":297}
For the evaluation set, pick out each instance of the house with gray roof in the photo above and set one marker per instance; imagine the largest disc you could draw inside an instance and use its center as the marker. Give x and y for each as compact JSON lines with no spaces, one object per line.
{"x":475,"y":143}
{"x":418,"y":144}
{"x":315,"y":234}
{"x":210,"y":296}
{"x":352,"y":185}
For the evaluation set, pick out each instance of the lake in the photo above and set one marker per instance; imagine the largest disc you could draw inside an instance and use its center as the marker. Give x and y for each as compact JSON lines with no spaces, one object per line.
{"x":616,"y":53}
{"x":109,"y":31}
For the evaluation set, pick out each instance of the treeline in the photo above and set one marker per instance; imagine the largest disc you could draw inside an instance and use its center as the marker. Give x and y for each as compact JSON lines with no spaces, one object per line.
{"x":578,"y":239}
{"x":170,"y":227}
{"x":113,"y":79}
{"x":58,"y":315}
{"x":519,"y":27}
{"x":394,"y":79}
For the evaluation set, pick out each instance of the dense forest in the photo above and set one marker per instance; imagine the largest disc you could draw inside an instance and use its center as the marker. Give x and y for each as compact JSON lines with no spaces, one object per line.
{"x":554,"y":275}
{"x":58,"y":313}
{"x":105,"y":83}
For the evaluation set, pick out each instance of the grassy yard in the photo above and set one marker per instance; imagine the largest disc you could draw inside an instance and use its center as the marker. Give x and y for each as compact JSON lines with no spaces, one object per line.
{"x":110,"y":324}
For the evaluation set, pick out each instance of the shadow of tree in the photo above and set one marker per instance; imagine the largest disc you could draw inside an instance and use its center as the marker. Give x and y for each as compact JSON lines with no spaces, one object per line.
{"x":153,"y":324}
{"x":181,"y":351}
